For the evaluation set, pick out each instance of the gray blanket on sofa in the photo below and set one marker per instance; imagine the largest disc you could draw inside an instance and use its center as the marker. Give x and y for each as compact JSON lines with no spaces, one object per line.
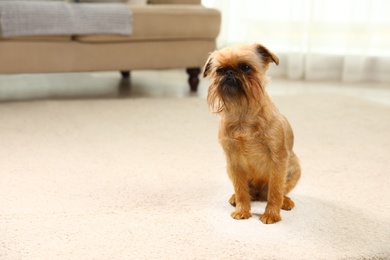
{"x":26,"y":18}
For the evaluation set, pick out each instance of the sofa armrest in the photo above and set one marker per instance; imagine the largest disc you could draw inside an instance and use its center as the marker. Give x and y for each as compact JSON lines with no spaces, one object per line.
{"x":190,"y":2}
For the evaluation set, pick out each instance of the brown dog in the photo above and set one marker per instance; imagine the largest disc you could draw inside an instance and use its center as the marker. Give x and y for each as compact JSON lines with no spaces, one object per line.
{"x":256,"y":137}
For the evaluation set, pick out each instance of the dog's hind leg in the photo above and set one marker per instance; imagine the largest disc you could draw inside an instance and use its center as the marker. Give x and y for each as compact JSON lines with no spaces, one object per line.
{"x":288,"y":204}
{"x":257,"y":190}
{"x":293,"y":175}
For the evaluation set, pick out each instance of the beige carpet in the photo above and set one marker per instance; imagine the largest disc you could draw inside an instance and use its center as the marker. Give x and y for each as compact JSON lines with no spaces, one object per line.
{"x":145,"y":179}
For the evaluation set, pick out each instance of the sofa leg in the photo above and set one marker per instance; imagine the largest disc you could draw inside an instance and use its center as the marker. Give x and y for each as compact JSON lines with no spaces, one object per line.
{"x":125,"y":74}
{"x":194,"y":78}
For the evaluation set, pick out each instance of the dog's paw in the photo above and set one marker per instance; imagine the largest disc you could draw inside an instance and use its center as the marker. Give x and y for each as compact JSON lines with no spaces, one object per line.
{"x":268,"y":218}
{"x":232,"y":200}
{"x":288,"y":204}
{"x":241,"y":214}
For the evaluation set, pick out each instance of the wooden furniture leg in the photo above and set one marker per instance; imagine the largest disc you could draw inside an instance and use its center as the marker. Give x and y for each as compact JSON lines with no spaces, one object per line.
{"x":194,"y":78}
{"x":125,"y":74}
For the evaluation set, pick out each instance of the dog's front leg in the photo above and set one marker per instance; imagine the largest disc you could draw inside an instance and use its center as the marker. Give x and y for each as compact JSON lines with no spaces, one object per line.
{"x":241,"y":192}
{"x":275,"y":194}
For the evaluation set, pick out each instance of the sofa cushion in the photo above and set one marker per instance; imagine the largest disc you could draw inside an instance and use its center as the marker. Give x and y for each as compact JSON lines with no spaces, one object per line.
{"x":166,"y":22}
{"x":101,"y":1}
{"x":51,"y":38}
{"x":134,"y":2}
{"x":187,"y":2}
{"x":29,"y":0}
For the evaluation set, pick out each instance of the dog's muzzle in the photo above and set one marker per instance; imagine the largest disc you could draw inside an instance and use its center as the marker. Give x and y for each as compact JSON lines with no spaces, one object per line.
{"x":231,"y":84}
{"x":229,"y":79}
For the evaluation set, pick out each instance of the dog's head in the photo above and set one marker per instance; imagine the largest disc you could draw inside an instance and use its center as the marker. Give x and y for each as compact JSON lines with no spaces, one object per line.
{"x":237,"y":75}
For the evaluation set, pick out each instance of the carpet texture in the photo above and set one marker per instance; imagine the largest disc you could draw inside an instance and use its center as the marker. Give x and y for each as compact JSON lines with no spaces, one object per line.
{"x":146,"y":179}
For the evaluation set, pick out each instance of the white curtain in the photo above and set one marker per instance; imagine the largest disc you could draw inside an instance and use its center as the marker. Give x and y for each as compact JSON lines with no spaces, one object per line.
{"x":346,"y":40}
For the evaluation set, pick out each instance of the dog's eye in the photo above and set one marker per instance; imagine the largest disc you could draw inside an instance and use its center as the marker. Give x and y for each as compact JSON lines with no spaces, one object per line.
{"x":220,"y":71}
{"x":245,"y":68}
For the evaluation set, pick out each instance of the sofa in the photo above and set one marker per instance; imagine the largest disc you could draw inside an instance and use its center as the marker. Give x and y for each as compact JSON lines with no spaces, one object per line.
{"x":166,"y":34}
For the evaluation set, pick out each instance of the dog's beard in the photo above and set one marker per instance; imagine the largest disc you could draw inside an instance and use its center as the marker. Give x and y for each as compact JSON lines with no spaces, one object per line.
{"x":231,"y":88}
{"x":227,"y":94}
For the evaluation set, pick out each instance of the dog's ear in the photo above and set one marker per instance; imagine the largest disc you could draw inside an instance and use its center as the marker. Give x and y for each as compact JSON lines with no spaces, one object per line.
{"x":266,"y":54}
{"x":207,"y":66}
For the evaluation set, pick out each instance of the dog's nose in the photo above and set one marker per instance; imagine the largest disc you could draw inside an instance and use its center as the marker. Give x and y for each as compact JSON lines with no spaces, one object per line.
{"x":230,"y":73}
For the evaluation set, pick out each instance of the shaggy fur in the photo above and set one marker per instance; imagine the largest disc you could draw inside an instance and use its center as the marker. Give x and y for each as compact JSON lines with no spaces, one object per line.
{"x":256,"y":137}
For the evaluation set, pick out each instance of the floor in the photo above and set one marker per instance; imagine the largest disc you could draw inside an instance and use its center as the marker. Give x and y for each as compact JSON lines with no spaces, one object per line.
{"x":93,"y":168}
{"x":167,"y":83}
